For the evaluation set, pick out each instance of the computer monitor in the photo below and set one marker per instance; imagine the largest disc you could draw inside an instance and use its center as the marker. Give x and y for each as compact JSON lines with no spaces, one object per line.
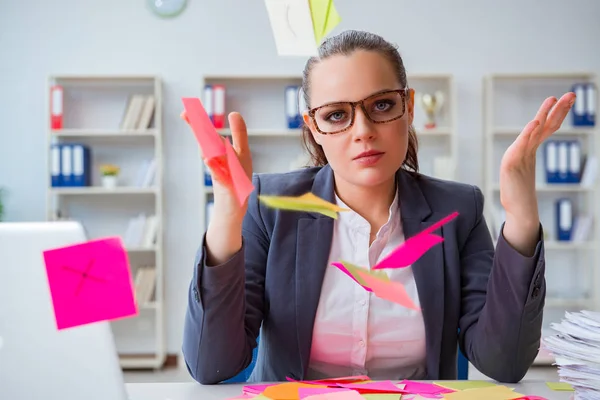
{"x":38,"y":361}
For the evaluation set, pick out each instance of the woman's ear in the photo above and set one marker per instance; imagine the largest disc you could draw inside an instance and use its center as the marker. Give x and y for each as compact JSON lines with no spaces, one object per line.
{"x":309,"y":123}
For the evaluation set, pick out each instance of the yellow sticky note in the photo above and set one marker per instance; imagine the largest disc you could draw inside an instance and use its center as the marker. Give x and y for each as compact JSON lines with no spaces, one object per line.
{"x":324,"y":16}
{"x":382,"y":396}
{"x":463,"y":385}
{"x":307,"y":202}
{"x":560,"y":386}
{"x":488,"y":393}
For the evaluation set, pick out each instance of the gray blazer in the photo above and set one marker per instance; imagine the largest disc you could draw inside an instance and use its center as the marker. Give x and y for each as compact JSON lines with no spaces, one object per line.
{"x":488,"y":302}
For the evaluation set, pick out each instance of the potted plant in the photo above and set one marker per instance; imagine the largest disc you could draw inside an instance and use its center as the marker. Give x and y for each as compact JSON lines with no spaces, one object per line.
{"x":1,"y":204}
{"x":110,"y":174}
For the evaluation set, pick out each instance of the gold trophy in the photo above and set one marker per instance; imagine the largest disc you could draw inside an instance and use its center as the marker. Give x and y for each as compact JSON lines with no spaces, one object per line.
{"x":431,"y":103}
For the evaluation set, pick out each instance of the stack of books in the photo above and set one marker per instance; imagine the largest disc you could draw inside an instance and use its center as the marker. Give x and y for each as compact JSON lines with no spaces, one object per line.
{"x":576,"y":349}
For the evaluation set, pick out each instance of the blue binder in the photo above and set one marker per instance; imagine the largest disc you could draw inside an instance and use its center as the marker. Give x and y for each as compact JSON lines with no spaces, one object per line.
{"x":563,"y":161}
{"x":81,"y":165}
{"x":574,"y":170}
{"x":55,"y":167}
{"x":579,"y":108}
{"x":551,"y":161}
{"x":292,"y":107}
{"x":564,"y":219}
{"x":590,"y":103}
{"x":208,"y":102}
{"x":66,"y":165}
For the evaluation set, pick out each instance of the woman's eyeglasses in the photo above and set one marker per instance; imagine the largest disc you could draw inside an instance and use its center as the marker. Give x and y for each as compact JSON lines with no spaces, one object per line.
{"x":379,"y":108}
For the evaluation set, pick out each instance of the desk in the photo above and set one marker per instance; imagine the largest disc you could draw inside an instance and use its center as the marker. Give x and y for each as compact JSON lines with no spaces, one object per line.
{"x":195,"y":391}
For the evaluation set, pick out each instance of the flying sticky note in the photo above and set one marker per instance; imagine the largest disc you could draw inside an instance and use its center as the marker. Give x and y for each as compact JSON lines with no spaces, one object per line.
{"x":218,"y":152}
{"x":388,"y":290}
{"x":292,"y":27}
{"x":90,"y":282}
{"x":414,"y":248}
{"x":324,"y":17}
{"x":307,"y":202}
{"x":353,"y":272}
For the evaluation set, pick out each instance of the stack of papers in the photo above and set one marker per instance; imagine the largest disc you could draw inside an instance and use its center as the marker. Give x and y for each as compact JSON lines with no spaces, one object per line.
{"x":576,"y":348}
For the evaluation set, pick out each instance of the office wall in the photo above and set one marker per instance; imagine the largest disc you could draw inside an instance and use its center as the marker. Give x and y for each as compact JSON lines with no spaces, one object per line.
{"x":468,"y":38}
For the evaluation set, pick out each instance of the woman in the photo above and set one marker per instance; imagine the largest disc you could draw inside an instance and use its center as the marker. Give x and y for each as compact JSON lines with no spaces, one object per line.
{"x":260,"y":266}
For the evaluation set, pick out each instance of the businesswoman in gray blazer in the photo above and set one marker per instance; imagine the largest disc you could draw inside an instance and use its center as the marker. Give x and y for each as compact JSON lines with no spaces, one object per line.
{"x":262,"y":269}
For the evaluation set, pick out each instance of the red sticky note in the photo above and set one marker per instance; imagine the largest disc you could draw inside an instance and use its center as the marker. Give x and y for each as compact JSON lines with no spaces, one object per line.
{"x":242,"y":184}
{"x":388,"y":290}
{"x":209,"y":140}
{"x":90,"y":282}
{"x":414,"y":248}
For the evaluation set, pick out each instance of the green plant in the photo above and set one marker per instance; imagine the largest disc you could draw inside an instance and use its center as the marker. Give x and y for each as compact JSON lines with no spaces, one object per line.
{"x":1,"y":203}
{"x":109,"y":170}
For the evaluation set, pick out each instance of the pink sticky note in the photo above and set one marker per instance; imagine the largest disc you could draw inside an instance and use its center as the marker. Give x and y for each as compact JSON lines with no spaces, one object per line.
{"x":307,"y":392}
{"x":90,"y":282}
{"x":209,"y":140}
{"x":414,"y":248}
{"x":389,"y":290}
{"x":342,"y":268}
{"x":374,"y":387}
{"x":242,"y":184}
{"x":423,"y":388}
{"x":346,"y":395}
{"x":255,"y":389}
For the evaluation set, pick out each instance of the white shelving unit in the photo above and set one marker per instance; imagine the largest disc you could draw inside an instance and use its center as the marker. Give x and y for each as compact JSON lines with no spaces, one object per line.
{"x":511,"y":101}
{"x":275,"y":148}
{"x":93,"y":110}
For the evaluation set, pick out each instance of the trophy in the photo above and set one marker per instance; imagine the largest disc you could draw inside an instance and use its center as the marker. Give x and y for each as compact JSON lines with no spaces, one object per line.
{"x":431,"y":103}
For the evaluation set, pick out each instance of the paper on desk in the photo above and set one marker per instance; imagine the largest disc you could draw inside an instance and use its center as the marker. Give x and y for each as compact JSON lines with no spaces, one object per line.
{"x":374,"y":387}
{"x":324,"y":18}
{"x":90,"y":282}
{"x":415,"y":387}
{"x":217,"y":151}
{"x":464,"y":385}
{"x":383,"y":396}
{"x":307,"y":202}
{"x":560,"y":386}
{"x":348,"y":395}
{"x":414,"y":248}
{"x":305,"y":392}
{"x":495,"y":392}
{"x":292,"y":27}
{"x":288,"y":390}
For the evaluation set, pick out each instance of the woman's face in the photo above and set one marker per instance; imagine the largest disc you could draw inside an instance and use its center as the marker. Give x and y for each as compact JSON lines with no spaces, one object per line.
{"x":367,"y":153}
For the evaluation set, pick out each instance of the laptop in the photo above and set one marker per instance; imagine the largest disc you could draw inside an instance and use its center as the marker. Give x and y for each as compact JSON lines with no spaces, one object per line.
{"x":37,"y":361}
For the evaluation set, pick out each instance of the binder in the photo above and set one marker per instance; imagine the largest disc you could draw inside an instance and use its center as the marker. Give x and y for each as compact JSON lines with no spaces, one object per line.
{"x":590,"y":104}
{"x":551,"y":161}
{"x":81,"y":165}
{"x":56,"y":107}
{"x":66,"y":165}
{"x":294,"y":120}
{"x":55,"y":170}
{"x":564,"y":219}
{"x":207,"y":177}
{"x":209,"y":101}
{"x":579,"y":108}
{"x":219,"y":106}
{"x":563,"y":161}
{"x":574,"y":170}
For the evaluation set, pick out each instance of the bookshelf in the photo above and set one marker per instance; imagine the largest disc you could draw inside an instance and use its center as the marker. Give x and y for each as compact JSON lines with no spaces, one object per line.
{"x":116,"y":120}
{"x":572,"y":278}
{"x":277,"y":147}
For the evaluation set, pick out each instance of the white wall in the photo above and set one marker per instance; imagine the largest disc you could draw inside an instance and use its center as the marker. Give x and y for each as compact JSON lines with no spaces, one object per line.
{"x":468,"y":38}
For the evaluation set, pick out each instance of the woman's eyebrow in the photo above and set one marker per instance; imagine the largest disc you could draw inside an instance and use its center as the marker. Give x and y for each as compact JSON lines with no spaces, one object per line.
{"x":348,"y":101}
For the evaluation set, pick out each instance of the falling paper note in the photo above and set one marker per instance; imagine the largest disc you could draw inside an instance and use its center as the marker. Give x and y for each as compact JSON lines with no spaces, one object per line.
{"x":292,"y":27}
{"x":218,"y":152}
{"x":324,"y":17}
{"x":414,"y":248}
{"x":90,"y":282}
{"x":388,"y":290}
{"x":307,"y":202}
{"x":353,"y":272}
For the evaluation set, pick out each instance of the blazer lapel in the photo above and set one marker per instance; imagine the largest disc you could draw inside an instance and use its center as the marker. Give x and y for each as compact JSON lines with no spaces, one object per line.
{"x":314,"y":235}
{"x":428,"y":270}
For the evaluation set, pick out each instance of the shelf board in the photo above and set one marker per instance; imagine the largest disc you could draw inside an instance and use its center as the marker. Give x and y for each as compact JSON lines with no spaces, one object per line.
{"x":557,"y":187}
{"x":441,"y":131}
{"x":141,"y":249}
{"x":102,"y":133}
{"x":555,"y":302}
{"x":142,"y":361}
{"x":574,"y":131}
{"x":542,"y":75}
{"x":568,"y":245}
{"x":99,"y":190}
{"x":266,"y":132}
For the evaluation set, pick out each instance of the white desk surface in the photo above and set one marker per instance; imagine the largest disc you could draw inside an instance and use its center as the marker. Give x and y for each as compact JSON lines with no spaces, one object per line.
{"x":195,"y":391}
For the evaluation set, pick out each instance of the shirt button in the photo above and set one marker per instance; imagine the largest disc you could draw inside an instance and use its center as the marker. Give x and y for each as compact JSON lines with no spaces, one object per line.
{"x":361,"y":343}
{"x":362,"y":302}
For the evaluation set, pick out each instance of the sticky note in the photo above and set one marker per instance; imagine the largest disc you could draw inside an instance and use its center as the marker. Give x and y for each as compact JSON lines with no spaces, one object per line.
{"x":424,"y":388}
{"x":353,"y":272}
{"x":324,"y":17}
{"x":292,"y":27}
{"x":217,"y":151}
{"x":288,"y":390}
{"x":414,"y":248}
{"x":389,"y":290}
{"x":348,"y":395}
{"x":463,"y":385}
{"x":382,"y":396}
{"x":374,"y":387}
{"x":307,"y":202}
{"x":305,"y":392}
{"x":560,"y":386}
{"x":488,"y":393}
{"x":90,"y":282}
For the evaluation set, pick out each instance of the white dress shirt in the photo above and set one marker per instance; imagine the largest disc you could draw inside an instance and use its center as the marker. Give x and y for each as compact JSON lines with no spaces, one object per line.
{"x":356,"y":332}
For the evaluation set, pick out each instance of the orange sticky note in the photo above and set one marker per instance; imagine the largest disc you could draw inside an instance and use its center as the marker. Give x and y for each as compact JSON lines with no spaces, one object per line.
{"x":288,"y":390}
{"x":388,"y":290}
{"x":90,"y":282}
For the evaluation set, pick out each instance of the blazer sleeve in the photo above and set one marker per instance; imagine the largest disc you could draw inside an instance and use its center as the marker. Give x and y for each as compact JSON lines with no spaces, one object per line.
{"x":502,"y":302}
{"x":226,"y":304}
